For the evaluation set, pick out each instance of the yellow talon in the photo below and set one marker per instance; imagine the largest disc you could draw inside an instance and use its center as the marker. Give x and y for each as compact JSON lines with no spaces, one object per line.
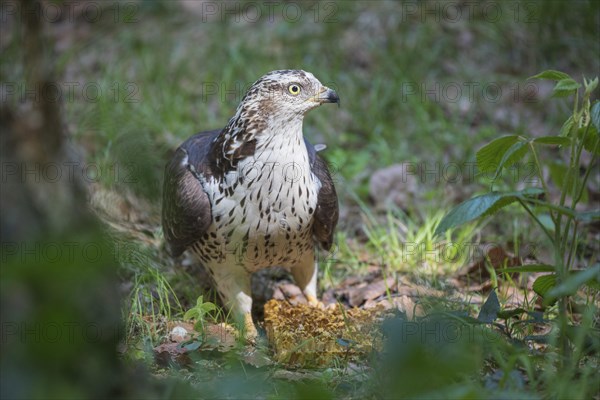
{"x":314,"y":302}
{"x":250,"y":332}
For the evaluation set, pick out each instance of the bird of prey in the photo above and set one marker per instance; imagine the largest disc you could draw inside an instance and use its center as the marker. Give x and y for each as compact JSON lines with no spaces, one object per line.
{"x":254,"y":194}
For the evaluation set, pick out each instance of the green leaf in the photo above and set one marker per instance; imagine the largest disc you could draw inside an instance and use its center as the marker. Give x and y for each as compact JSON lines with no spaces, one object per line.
{"x":562,"y":93}
{"x":190,"y":314}
{"x":559,"y":140}
{"x":567,"y":84}
{"x":529,"y":268}
{"x":558,"y":173}
{"x":551,"y":75}
{"x":575,"y":280}
{"x":208,"y":306}
{"x":590,"y":142}
{"x":565,"y":130}
{"x":515,"y":153}
{"x":490,"y":155}
{"x":543,"y":284}
{"x":565,"y":87}
{"x":546,"y":220}
{"x":595,"y":114}
{"x":483,"y":205}
{"x":191,"y":345}
{"x":490,"y":309}
{"x":199,"y":310}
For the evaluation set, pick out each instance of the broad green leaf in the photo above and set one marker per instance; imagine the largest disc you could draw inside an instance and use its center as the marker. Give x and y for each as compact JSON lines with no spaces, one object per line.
{"x":575,"y":280}
{"x":515,"y":153}
{"x":558,"y":173}
{"x":529,"y":268}
{"x":595,"y":115}
{"x":562,"y":93}
{"x":551,"y":75}
{"x":490,"y":309}
{"x":546,"y":221}
{"x":565,"y":87}
{"x":490,"y":155}
{"x":565,"y":130}
{"x":590,"y":142}
{"x":559,"y":140}
{"x":543,"y":284}
{"x":567,"y":84}
{"x":206,"y":307}
{"x":190,"y":314}
{"x":479,"y":206}
{"x":199,"y":310}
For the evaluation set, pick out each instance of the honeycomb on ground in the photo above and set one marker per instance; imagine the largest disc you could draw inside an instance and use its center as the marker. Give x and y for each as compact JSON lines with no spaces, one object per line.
{"x":305,"y":336}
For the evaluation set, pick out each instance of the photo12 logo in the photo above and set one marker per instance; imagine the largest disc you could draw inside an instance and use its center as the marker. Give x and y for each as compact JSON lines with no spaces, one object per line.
{"x":71,"y":11}
{"x":69,"y":92}
{"x":68,"y":171}
{"x":469,"y":92}
{"x":269,"y":11}
{"x":461,"y":11}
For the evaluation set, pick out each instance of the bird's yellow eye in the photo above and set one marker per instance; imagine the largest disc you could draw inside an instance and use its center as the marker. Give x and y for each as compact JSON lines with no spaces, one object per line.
{"x":294,"y":89}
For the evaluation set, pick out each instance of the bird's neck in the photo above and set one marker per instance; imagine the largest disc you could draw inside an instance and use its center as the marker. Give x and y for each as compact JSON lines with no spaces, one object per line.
{"x":282,"y":136}
{"x":268,"y":139}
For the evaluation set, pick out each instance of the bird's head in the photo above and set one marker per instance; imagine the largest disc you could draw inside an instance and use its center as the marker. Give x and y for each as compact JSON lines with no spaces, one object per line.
{"x":287,"y":94}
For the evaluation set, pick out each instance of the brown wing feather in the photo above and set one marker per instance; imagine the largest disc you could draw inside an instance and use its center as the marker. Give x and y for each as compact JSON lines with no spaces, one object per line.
{"x":327,"y":212}
{"x":186,"y":209}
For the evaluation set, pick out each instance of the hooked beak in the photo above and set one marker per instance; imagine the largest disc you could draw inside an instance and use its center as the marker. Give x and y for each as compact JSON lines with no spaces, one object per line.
{"x":327,"y":95}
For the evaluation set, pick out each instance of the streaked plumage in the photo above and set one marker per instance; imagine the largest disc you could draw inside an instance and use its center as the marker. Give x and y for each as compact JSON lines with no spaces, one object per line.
{"x":254,"y":194}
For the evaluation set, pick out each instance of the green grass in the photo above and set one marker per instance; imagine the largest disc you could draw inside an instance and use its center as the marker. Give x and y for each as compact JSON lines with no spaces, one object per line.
{"x":151,"y":301}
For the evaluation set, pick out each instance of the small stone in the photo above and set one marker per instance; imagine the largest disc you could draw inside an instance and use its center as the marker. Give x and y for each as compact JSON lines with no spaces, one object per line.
{"x":179,"y":334}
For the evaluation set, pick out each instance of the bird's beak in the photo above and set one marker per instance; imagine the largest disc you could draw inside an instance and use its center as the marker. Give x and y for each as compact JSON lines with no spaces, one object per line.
{"x":326,"y":95}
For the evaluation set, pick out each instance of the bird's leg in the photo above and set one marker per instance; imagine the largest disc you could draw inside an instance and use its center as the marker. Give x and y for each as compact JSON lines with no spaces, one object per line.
{"x":233,"y":285}
{"x":305,"y":276}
